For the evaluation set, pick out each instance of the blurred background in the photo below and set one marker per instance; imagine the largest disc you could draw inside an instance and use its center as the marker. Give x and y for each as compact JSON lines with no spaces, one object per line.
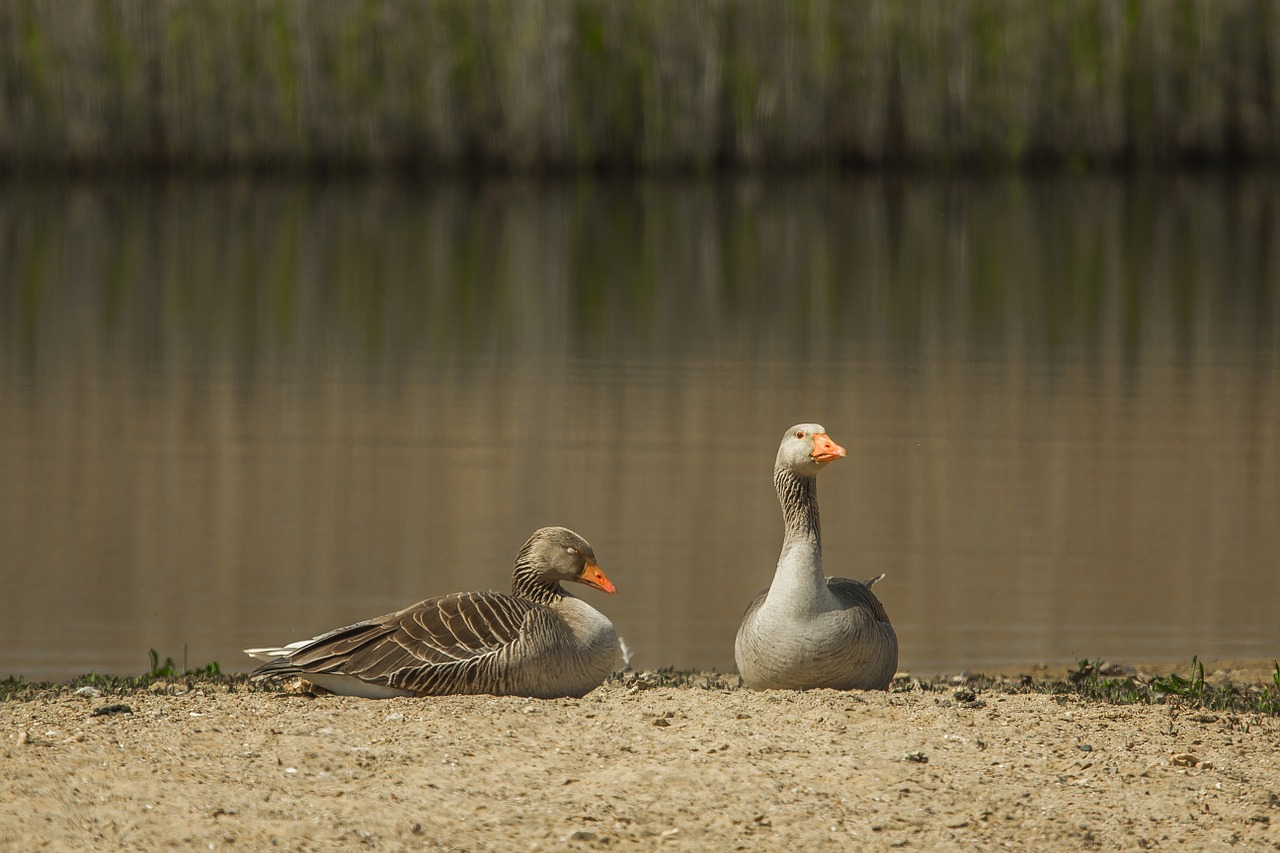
{"x":310,"y":311}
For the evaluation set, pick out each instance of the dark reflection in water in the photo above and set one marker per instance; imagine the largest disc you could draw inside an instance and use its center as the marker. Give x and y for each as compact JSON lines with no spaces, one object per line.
{"x":241,"y":413}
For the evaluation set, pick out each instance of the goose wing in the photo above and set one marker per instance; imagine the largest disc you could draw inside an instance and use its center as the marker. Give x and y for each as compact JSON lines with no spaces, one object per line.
{"x":858,"y":594}
{"x":756,"y":602}
{"x":853,"y":593}
{"x":414,"y":649}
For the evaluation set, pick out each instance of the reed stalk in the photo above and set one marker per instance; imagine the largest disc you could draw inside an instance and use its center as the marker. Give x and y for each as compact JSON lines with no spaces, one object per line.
{"x":635,"y":85}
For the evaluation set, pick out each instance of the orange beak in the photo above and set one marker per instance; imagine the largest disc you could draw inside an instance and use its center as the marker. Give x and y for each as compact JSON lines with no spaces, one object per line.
{"x":593,"y":576}
{"x":824,"y":449}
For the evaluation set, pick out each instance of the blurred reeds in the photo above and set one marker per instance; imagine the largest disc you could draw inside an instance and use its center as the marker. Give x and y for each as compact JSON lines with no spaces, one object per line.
{"x":633,"y":85}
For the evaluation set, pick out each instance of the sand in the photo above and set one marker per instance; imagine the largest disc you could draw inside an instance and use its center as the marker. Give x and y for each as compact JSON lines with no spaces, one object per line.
{"x":633,"y":767}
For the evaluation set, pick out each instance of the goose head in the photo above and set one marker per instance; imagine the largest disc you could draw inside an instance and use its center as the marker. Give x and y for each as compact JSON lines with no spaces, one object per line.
{"x":555,"y":554}
{"x":806,"y":449}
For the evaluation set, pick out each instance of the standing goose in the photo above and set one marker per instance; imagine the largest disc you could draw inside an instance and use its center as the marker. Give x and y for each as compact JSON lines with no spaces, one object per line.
{"x":807,"y":630}
{"x":538,"y":641}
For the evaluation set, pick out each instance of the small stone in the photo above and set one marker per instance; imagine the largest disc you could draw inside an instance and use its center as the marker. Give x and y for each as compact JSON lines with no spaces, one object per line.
{"x":88,"y":692}
{"x":662,"y":722}
{"x":916,"y":757}
{"x":581,"y":835}
{"x":1183,"y":759}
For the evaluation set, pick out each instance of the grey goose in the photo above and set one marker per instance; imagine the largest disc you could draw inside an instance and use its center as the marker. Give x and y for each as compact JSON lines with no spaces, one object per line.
{"x":537,"y":641}
{"x":808,"y":630}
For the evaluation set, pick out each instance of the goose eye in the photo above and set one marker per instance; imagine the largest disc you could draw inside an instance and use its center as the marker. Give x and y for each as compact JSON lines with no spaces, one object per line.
{"x":569,"y":550}
{"x":799,"y":433}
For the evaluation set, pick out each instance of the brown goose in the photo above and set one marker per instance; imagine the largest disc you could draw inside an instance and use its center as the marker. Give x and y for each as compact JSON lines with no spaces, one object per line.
{"x":807,"y":630}
{"x":537,"y":641}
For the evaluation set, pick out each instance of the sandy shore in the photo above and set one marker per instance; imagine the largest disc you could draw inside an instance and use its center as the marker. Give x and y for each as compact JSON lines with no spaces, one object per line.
{"x":631,"y":767}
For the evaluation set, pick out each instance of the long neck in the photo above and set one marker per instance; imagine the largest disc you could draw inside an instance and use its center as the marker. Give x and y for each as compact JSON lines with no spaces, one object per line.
{"x":800,"y":517}
{"x":526,"y":583}
{"x":799,"y":579}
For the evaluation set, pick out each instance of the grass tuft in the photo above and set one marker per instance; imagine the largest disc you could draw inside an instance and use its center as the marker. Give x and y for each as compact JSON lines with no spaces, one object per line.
{"x":1101,"y":682}
{"x":164,"y":677}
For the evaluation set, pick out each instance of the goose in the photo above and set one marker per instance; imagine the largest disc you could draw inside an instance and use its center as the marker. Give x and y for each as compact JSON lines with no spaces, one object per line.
{"x":808,"y":630}
{"x":537,"y":641}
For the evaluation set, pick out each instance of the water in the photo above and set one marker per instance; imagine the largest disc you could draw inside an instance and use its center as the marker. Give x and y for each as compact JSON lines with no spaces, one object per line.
{"x":241,"y":413}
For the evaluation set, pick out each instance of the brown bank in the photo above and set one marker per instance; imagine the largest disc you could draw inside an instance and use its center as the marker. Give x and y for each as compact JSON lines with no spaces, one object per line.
{"x":634,"y":767}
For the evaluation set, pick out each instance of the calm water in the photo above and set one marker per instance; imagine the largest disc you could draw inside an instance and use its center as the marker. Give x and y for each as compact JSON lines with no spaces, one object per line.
{"x":236,"y":414}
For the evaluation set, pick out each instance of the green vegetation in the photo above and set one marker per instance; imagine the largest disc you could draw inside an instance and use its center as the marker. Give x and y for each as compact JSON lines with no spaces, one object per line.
{"x":162,"y":677}
{"x":1090,"y":682}
{"x":635,"y":85}
{"x":1095,"y":681}
{"x":170,"y":670}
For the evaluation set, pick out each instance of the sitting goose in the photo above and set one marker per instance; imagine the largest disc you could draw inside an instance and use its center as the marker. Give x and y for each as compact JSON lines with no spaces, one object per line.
{"x":807,"y":630}
{"x":538,"y":641}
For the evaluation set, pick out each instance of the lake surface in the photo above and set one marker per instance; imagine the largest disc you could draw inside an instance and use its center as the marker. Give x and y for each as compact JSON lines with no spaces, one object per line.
{"x":240,"y":413}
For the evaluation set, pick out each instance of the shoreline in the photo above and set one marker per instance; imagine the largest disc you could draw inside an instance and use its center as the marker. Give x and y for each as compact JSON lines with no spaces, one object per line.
{"x":1217,"y":675}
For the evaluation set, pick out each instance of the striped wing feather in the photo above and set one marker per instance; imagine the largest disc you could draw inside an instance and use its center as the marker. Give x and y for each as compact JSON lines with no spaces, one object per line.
{"x":433,"y":646}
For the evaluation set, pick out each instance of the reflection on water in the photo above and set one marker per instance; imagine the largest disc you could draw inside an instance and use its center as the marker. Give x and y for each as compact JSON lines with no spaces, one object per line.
{"x":238,"y":413}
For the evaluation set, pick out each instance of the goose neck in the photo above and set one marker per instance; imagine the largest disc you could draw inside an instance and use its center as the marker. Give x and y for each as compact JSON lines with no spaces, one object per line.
{"x":526,"y":583}
{"x":799,"y":587}
{"x":798,"y":495}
